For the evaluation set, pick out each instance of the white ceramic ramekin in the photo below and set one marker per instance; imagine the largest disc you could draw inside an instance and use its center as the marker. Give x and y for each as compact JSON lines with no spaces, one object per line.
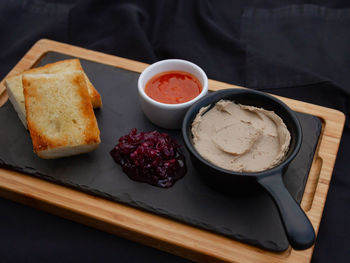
{"x":165,"y":115}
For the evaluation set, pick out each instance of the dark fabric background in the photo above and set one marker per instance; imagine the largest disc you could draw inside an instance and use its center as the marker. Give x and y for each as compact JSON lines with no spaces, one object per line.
{"x":297,"y":49}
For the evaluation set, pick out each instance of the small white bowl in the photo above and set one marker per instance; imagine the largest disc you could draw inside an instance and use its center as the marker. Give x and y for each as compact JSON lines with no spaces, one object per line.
{"x":165,"y":115}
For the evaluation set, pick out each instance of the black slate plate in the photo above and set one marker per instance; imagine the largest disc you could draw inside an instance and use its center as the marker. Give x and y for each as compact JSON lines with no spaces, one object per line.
{"x":251,"y":219}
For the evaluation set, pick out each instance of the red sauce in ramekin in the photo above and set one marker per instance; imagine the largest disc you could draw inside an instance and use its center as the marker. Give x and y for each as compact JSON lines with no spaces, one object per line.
{"x":173,"y":87}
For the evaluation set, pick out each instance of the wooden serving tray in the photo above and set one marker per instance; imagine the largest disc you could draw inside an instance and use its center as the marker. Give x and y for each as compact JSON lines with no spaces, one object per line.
{"x":153,"y":230}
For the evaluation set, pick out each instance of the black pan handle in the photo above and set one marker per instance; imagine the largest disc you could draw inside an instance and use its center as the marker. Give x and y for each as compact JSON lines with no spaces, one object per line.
{"x":299,"y":230}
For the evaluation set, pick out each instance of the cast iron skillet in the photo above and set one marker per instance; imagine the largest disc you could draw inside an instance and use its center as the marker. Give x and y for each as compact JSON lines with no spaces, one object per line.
{"x":298,"y":228}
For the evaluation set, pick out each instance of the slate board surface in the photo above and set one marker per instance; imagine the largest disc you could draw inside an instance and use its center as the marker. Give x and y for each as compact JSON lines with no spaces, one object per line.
{"x":252,"y":219}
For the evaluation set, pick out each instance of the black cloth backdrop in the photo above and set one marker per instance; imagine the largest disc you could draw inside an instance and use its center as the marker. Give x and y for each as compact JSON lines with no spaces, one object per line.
{"x":297,"y":49}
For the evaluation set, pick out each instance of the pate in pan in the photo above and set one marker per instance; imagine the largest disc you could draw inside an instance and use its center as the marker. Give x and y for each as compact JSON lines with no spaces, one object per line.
{"x":240,"y":138}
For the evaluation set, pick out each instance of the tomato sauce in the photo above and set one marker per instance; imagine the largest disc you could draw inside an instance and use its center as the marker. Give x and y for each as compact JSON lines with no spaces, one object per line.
{"x":173,"y":87}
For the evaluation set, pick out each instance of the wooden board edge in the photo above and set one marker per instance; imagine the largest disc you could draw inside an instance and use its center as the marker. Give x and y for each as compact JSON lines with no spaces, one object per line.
{"x":43,"y":46}
{"x":46,"y":45}
{"x":124,"y":221}
{"x":24,"y":64}
{"x":327,"y":150}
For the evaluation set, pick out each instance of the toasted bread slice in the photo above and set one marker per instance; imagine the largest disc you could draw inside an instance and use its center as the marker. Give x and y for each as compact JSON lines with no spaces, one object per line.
{"x":60,"y":117}
{"x":15,"y":89}
{"x":69,"y":65}
{"x":15,"y":93}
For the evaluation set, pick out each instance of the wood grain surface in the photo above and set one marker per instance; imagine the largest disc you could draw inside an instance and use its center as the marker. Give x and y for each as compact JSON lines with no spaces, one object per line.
{"x":153,"y":230}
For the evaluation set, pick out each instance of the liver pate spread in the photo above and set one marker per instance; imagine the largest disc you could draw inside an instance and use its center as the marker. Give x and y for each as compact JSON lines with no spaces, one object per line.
{"x":240,"y":138}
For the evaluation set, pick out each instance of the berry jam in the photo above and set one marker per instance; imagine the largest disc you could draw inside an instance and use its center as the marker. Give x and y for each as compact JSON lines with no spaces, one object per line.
{"x":150,"y":157}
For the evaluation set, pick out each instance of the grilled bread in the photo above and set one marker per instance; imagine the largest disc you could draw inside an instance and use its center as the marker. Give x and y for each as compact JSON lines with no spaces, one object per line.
{"x":15,"y":93}
{"x":15,"y":89}
{"x":60,"y":117}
